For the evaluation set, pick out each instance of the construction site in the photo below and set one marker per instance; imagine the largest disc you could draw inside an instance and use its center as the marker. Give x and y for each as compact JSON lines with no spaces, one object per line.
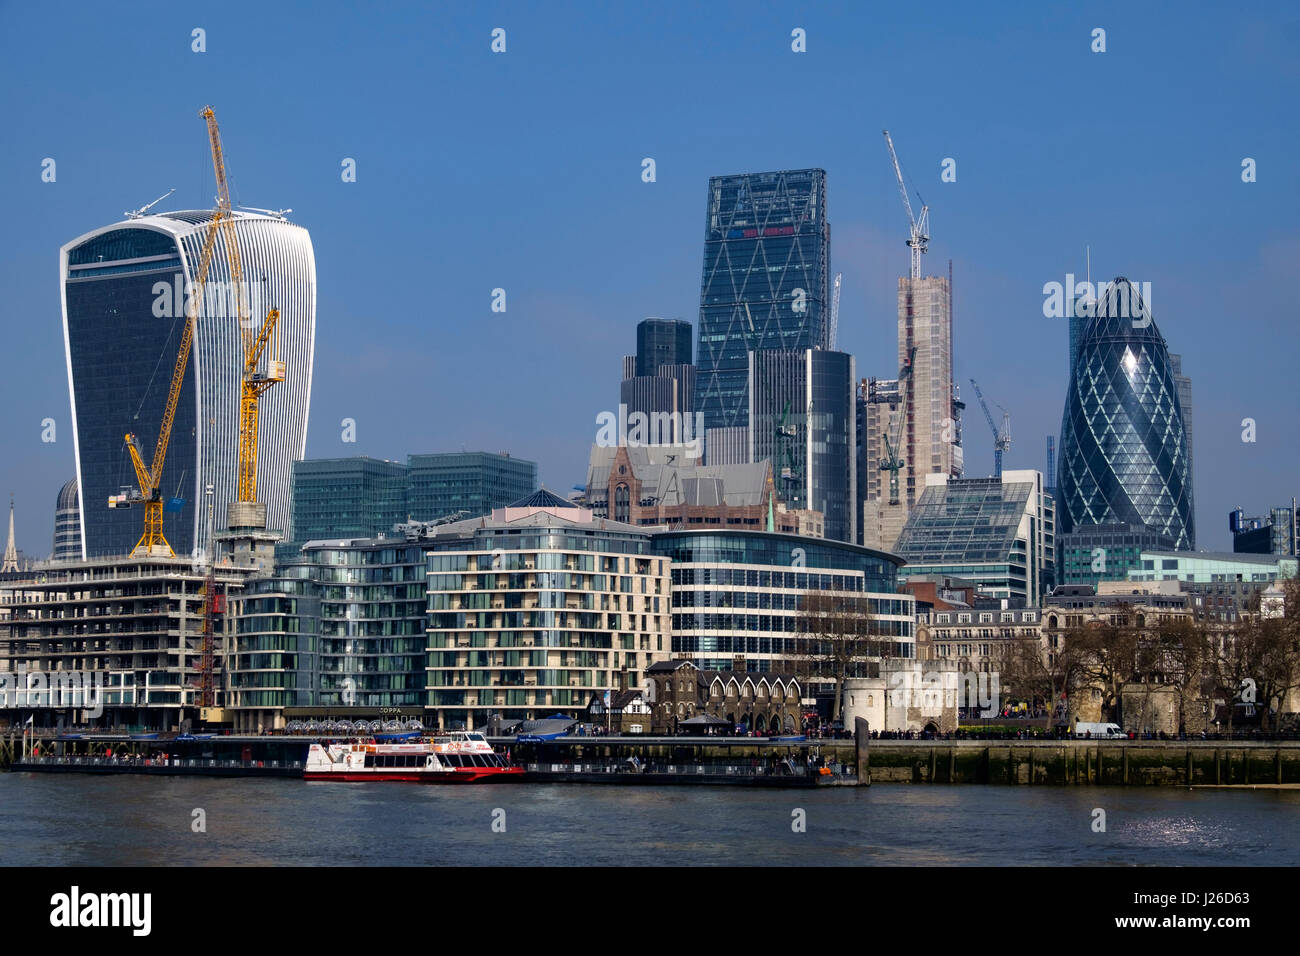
{"x":138,"y":641}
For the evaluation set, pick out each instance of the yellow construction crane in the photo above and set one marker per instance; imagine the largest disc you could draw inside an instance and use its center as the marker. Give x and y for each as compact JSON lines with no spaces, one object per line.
{"x":253,"y":381}
{"x":254,"y":384}
{"x":152,"y":541}
{"x":149,"y":491}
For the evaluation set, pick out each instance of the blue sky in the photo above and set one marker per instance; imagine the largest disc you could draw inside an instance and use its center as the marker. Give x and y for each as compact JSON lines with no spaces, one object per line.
{"x":522,"y":170}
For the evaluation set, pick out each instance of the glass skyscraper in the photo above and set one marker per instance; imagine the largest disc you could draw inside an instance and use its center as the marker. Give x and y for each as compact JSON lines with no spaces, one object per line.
{"x":803,"y":419}
{"x":662,"y":380}
{"x":764,"y":284}
{"x":1124,"y":445}
{"x":124,"y":290}
{"x":662,"y":342}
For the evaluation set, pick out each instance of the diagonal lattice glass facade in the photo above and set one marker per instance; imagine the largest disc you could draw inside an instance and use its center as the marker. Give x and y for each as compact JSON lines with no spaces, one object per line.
{"x":998,"y":533}
{"x":1124,"y":450}
{"x":766,"y":254}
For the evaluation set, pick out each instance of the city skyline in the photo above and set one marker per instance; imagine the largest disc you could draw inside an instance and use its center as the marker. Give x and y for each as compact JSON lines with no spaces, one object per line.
{"x":422,"y":324}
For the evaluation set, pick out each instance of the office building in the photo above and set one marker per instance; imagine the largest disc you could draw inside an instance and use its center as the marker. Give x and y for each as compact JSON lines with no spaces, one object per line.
{"x":1225,"y":582}
{"x":124,"y":288}
{"x":1183,"y":385}
{"x":470,"y":482}
{"x":661,"y":342}
{"x":765,"y":282}
{"x":738,"y":599}
{"x":1094,"y":553}
{"x":1274,"y":534}
{"x":727,"y":446}
{"x":347,"y":497}
{"x":803,"y":418}
{"x":67,"y":524}
{"x":659,"y":382}
{"x":538,"y":607}
{"x":365,"y":497}
{"x":998,"y":533}
{"x":1123,"y":452}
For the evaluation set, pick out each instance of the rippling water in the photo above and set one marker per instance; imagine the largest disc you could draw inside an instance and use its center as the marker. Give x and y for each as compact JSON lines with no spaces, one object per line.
{"x":48,"y":819}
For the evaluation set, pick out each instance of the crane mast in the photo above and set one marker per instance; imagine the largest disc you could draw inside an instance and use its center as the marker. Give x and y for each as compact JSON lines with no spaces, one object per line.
{"x":149,"y":480}
{"x":891,"y":462}
{"x":253,"y":382}
{"x":918,"y":241}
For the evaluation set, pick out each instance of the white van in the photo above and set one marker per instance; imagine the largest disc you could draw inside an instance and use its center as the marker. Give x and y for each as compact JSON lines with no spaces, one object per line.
{"x":1098,"y":731}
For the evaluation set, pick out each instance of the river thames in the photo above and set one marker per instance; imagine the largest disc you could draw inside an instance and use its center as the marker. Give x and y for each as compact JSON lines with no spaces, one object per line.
{"x":79,"y":820}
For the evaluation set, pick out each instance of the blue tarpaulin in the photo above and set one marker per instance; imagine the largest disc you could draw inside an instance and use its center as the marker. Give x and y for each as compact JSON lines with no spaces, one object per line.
{"x":174,"y":504}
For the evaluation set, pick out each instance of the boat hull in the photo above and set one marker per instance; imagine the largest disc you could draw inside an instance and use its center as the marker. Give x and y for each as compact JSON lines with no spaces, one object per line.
{"x":455,"y":775}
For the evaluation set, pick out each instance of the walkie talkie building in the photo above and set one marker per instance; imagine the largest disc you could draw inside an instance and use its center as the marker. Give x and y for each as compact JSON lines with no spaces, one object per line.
{"x":123,"y":289}
{"x":1124,"y":443}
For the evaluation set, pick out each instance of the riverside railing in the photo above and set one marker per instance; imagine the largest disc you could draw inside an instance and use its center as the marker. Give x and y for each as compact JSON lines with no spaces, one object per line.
{"x":158,"y":762}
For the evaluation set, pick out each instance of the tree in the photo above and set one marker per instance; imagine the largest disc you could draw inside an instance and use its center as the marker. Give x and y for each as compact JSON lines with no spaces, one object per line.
{"x":838,"y":639}
{"x":1106,"y":653}
{"x":1028,"y":668}
{"x":1178,"y":654}
{"x":1230,"y":663}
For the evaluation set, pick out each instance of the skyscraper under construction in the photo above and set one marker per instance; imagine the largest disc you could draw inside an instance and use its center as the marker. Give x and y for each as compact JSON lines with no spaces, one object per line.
{"x":925,"y":411}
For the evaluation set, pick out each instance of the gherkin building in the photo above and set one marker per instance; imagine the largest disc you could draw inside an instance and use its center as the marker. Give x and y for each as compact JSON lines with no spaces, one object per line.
{"x":1124,"y":446}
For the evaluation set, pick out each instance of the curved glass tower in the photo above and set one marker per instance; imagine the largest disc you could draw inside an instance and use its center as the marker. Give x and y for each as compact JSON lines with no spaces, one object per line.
{"x":124,"y":288}
{"x":67,"y":524}
{"x":1124,"y":445}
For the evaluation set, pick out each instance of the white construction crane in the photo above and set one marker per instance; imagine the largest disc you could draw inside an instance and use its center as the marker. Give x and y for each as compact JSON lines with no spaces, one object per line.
{"x":833,"y":332}
{"x":919,"y":241}
{"x":139,"y":213}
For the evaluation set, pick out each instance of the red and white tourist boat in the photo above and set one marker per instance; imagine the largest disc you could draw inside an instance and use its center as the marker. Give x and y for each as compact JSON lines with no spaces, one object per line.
{"x":456,"y":757}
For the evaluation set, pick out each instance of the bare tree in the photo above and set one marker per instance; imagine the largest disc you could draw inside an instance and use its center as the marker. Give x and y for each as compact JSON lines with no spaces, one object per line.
{"x":1107,"y":656}
{"x":1028,"y":668}
{"x":838,"y":640}
{"x":1178,"y":655}
{"x":1230,"y":664}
